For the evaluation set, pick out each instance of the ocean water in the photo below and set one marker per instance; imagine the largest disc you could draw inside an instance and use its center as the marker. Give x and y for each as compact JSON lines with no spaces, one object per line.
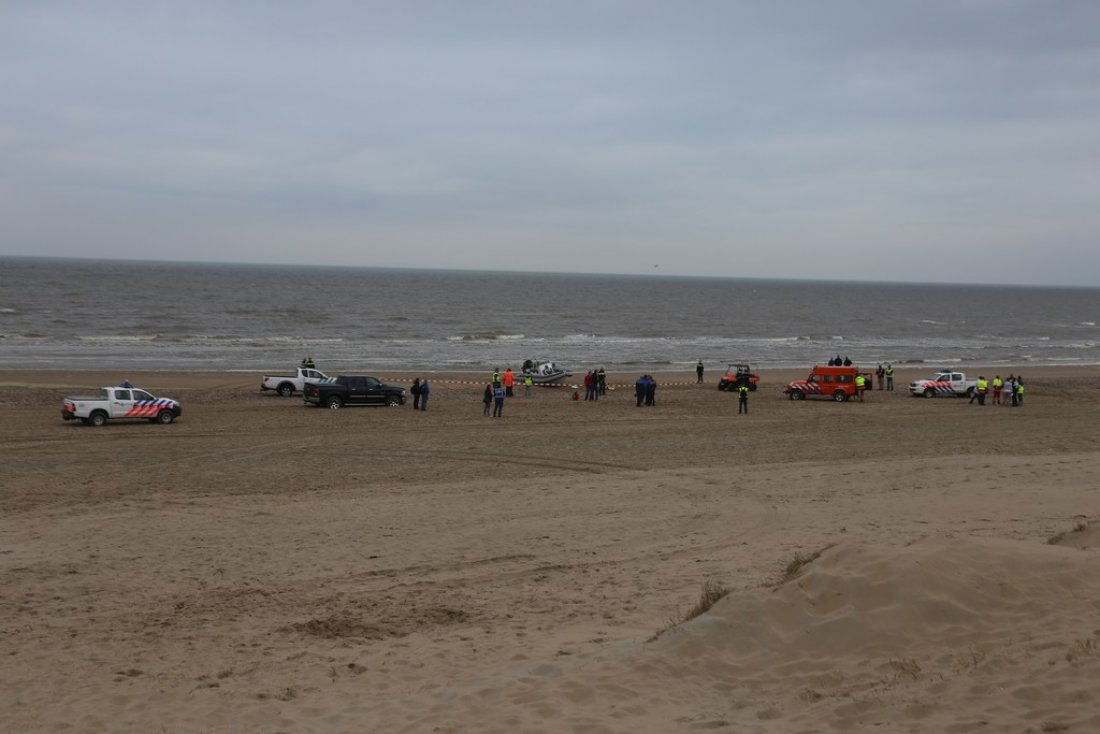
{"x":79,"y":314}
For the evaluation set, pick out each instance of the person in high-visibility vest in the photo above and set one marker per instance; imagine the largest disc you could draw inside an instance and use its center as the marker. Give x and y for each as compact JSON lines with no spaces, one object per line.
{"x":979,"y":391}
{"x":743,"y":398}
{"x":889,"y":378}
{"x":861,"y":385}
{"x":998,"y":386}
{"x":1018,"y":398}
{"x":527,"y":383}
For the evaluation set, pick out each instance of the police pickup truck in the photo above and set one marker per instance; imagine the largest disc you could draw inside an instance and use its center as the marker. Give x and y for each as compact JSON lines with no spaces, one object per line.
{"x":119,"y":403}
{"x":285,"y":385}
{"x":944,"y":382}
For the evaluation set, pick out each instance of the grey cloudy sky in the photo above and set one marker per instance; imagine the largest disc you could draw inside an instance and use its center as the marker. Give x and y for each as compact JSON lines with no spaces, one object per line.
{"x":954,"y":141}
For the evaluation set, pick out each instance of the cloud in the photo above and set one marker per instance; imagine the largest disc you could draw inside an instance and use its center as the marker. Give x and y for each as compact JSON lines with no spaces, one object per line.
{"x":739,"y":136}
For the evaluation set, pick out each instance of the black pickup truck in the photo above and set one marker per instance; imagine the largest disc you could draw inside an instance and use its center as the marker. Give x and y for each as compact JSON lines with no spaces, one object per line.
{"x":353,"y":390}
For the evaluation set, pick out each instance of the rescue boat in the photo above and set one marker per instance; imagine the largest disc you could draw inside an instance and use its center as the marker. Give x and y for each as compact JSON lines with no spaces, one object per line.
{"x":543,"y":373}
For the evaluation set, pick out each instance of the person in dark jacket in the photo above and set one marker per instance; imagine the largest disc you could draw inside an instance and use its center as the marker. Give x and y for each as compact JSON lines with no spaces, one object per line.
{"x":425,"y":389}
{"x":498,"y":401}
{"x":487,"y":398}
{"x":639,"y":390}
{"x":650,"y":391}
{"x":415,"y":390}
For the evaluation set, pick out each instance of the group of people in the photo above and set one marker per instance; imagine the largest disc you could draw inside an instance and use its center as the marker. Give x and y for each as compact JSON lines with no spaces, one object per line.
{"x":595,"y":384}
{"x":493,"y":397}
{"x":645,"y":390}
{"x":420,"y":391}
{"x":885,"y":374}
{"x":501,"y":386}
{"x":1013,"y":386}
{"x":838,"y":362}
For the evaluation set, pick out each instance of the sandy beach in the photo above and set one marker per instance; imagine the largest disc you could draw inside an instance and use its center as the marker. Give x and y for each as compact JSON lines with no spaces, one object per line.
{"x":901,"y":564}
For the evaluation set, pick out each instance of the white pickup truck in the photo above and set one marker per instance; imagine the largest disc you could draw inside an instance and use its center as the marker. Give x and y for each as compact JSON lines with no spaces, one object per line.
{"x":943,"y":383}
{"x":286,"y":385}
{"x":119,"y":402}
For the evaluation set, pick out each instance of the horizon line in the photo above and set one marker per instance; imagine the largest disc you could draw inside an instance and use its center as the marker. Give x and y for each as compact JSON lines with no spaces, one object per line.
{"x":668,"y":276}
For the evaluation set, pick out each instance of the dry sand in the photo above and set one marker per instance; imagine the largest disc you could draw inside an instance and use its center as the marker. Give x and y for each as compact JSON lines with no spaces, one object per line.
{"x":264,"y":566}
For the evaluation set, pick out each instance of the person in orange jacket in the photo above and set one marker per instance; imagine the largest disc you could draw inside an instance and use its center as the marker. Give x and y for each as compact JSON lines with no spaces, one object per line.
{"x":509,"y":382}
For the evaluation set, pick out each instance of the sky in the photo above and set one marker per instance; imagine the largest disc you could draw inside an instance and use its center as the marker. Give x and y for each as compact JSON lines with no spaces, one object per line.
{"x":926,"y":140}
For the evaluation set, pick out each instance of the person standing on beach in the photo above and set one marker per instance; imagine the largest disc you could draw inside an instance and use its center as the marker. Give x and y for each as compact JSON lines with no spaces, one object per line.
{"x":424,"y":391}
{"x":699,"y":372}
{"x":1018,"y":398}
{"x":980,"y":390}
{"x":487,"y":398}
{"x":639,"y":390}
{"x":498,"y":401}
{"x":861,"y":385}
{"x":743,"y":398}
{"x":889,"y":378}
{"x":601,"y":382}
{"x":415,"y":390}
{"x":880,"y":375}
{"x":650,"y":391}
{"x":998,"y":385}
{"x":528,"y":381}
{"x":509,"y":382}
{"x":589,"y":382}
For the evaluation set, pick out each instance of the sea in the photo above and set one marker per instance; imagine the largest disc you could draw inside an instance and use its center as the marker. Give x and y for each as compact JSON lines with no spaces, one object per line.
{"x":124,"y":315}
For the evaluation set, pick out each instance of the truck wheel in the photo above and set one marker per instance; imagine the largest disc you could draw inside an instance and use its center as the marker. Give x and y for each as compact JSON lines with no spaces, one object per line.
{"x":165,"y":417}
{"x":797,"y":395}
{"x":393,"y":401}
{"x":839,"y":396}
{"x":97,"y":418}
{"x":335,"y":403}
{"x":285,"y":389}
{"x":929,"y":392}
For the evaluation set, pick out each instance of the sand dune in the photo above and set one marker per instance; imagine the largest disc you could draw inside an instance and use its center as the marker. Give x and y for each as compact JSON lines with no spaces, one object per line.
{"x":940,"y":635}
